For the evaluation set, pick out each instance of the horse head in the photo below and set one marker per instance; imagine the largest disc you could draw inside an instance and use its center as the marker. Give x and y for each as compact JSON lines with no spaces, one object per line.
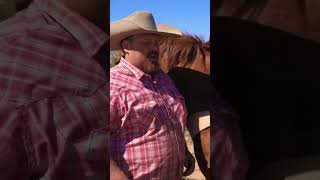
{"x":186,"y":51}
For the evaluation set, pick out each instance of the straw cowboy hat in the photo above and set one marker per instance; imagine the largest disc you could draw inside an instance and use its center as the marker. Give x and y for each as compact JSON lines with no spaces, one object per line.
{"x":140,"y":22}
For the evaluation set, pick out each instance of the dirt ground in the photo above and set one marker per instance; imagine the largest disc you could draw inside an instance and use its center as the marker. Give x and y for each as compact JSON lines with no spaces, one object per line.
{"x":196,"y":175}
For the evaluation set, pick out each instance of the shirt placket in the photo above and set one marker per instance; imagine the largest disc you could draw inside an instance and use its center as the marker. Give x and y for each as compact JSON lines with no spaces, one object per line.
{"x":171,"y":120}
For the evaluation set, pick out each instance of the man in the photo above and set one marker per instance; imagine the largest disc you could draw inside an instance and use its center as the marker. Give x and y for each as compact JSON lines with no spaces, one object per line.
{"x":53,"y":91}
{"x":147,"y":113}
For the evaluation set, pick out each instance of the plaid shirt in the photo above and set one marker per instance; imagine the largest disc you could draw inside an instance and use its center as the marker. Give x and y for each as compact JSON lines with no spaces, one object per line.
{"x":147,"y":120}
{"x":53,"y":96}
{"x":229,"y":157}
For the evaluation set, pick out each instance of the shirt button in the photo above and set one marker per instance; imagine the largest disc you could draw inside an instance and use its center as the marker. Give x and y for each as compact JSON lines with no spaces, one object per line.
{"x":155,"y":83}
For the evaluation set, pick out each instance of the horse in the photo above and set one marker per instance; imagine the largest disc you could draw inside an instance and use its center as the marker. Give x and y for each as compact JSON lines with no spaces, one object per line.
{"x":230,"y":160}
{"x":190,"y":52}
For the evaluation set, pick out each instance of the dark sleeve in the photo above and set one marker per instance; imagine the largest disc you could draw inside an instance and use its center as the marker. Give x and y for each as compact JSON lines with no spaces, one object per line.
{"x":194,"y":86}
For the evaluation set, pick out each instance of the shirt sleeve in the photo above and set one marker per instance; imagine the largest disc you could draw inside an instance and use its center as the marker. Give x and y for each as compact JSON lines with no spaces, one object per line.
{"x":57,"y":138}
{"x":117,"y":112}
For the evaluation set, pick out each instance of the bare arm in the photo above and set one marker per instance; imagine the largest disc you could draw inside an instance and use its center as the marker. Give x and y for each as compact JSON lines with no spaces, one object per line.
{"x":115,"y":172}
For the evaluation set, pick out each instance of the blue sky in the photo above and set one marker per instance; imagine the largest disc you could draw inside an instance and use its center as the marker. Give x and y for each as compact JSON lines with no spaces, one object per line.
{"x":189,"y":16}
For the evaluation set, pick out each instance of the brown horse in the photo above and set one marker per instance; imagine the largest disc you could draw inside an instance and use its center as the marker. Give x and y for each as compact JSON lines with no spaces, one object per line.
{"x":190,"y":52}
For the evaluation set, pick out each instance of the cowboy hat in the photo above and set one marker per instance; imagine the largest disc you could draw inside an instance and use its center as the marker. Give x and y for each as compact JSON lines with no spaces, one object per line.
{"x":140,"y":22}
{"x":168,"y":29}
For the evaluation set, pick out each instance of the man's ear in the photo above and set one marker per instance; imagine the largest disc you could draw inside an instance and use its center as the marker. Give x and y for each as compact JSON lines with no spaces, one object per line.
{"x":125,"y":46}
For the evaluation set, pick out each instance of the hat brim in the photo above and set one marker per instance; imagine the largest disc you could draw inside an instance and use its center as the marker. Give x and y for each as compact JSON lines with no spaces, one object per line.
{"x":121,"y":30}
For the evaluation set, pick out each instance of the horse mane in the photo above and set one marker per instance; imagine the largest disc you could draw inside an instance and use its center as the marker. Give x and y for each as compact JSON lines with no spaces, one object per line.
{"x":184,"y":48}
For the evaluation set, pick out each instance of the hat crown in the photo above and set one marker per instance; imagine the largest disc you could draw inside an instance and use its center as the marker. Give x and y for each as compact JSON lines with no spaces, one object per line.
{"x":168,"y":29}
{"x":143,"y":19}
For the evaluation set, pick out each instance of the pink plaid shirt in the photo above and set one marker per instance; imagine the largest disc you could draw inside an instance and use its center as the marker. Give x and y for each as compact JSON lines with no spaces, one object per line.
{"x":53,"y":96}
{"x":147,"y":120}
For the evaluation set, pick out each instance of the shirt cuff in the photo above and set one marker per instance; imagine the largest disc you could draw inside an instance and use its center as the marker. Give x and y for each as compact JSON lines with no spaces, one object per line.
{"x":198,"y":122}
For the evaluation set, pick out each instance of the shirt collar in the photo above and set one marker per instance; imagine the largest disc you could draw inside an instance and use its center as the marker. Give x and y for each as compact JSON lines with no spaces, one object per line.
{"x":89,"y":36}
{"x":135,"y":71}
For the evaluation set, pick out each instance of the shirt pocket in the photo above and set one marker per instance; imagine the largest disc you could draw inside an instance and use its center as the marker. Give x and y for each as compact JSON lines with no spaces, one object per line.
{"x":177,"y":104}
{"x":145,"y":114}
